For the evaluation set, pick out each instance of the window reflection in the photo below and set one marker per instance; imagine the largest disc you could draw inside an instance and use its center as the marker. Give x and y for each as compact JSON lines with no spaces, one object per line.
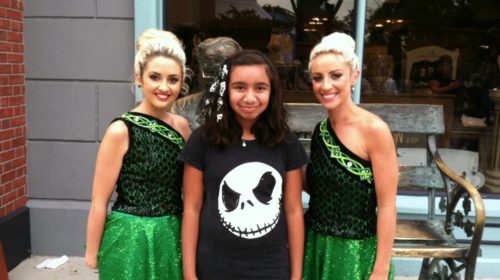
{"x":405,"y":41}
{"x":286,"y":30}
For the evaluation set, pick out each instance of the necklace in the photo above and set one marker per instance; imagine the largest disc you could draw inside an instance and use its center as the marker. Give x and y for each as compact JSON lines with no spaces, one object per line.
{"x":243,"y":142}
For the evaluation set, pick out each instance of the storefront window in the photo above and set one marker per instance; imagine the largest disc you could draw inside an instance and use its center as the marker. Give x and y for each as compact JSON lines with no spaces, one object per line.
{"x":285,"y":30}
{"x":404,"y":39}
{"x":408,"y":38}
{"x":434,"y":52}
{"x":437,"y":52}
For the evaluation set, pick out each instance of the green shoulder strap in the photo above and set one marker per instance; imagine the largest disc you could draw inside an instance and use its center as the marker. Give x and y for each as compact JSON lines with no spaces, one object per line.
{"x":351,"y":165}
{"x":154,"y":127}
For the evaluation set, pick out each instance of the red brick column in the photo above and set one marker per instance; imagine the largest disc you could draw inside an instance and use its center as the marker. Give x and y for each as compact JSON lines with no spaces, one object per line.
{"x":13,"y":188}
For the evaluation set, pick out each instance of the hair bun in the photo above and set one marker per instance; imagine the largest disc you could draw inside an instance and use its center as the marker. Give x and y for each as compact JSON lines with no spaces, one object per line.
{"x":337,"y":43}
{"x":150,"y":35}
{"x":338,"y":39}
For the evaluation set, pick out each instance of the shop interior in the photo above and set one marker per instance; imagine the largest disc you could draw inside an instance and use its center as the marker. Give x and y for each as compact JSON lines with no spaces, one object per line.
{"x":406,"y":45}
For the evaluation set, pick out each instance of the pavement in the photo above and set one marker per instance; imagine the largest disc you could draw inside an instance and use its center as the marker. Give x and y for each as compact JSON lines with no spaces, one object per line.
{"x":75,"y":269}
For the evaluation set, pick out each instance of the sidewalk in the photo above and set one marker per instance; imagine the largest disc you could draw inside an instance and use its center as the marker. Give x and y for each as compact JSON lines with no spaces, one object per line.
{"x":74,"y":269}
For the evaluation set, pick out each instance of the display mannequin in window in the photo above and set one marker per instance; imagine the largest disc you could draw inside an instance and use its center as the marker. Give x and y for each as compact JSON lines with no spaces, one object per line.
{"x":209,"y":54}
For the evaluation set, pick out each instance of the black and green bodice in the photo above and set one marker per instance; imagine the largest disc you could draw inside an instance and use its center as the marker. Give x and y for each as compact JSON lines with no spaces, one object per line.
{"x":150,"y":181}
{"x":343,"y":201}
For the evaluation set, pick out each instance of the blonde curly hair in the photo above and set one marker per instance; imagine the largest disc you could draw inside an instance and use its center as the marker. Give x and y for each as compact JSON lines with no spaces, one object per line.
{"x":153,"y":43}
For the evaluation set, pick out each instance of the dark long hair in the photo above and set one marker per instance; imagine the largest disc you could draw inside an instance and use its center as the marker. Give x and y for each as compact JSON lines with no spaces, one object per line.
{"x":220,"y":126}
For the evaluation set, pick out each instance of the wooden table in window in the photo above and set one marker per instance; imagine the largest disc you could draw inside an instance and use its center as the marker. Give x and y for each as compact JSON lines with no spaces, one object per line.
{"x":482,"y":134}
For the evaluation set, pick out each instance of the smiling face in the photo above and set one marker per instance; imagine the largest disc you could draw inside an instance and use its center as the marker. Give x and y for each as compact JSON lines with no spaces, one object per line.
{"x":332,"y":79}
{"x":161,"y":82}
{"x":249,"y":92}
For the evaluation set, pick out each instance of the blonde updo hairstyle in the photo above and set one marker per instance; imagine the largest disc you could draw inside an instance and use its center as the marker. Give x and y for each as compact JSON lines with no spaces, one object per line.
{"x":340,"y":44}
{"x":153,"y":43}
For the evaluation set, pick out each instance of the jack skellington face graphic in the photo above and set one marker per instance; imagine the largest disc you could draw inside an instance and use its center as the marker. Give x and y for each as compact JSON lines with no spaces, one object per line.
{"x":250,"y":199}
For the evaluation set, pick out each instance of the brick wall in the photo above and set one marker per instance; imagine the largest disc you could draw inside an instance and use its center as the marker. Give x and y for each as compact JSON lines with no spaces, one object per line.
{"x":13,"y":189}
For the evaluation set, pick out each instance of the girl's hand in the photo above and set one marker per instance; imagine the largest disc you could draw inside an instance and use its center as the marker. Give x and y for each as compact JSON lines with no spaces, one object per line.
{"x":379,"y":276}
{"x":91,"y":261}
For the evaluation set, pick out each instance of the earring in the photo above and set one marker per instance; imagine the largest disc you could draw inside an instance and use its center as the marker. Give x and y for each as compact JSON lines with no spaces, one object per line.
{"x":352,"y":88}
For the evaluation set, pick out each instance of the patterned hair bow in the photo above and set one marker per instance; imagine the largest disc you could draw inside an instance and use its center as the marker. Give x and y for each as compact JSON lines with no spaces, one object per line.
{"x":214,"y":98}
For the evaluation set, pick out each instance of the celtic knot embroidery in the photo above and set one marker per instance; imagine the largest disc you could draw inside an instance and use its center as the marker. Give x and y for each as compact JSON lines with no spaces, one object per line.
{"x":351,"y":165}
{"x":154,"y":127}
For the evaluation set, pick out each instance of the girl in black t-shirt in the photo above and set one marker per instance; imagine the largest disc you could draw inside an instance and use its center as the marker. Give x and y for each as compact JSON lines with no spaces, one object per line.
{"x":243,"y":214}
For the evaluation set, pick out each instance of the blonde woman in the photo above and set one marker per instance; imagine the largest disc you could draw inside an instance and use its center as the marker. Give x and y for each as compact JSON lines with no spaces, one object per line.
{"x":140,"y":238}
{"x":352,"y":175}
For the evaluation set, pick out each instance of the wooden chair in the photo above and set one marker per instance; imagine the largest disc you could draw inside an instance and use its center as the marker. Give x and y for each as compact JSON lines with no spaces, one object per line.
{"x":428,"y":54}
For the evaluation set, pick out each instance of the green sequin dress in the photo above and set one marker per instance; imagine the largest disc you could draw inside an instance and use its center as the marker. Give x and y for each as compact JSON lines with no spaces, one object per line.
{"x":341,"y":221}
{"x":141,"y":239}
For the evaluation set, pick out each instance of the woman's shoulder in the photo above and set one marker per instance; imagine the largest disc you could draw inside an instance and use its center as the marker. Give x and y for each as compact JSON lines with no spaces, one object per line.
{"x":372,"y":125}
{"x":177,"y":121}
{"x":180,"y":124}
{"x":375,"y":130}
{"x":117,"y":127}
{"x":117,"y":130}
{"x":369,"y":120}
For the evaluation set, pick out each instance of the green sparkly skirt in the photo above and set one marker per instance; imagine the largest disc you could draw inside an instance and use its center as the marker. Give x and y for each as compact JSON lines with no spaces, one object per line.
{"x":330,"y":258}
{"x":135,"y":247}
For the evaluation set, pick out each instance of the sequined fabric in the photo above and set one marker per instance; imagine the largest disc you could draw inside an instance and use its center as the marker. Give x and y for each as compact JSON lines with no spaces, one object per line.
{"x":150,"y":181}
{"x":141,"y":238}
{"x":140,"y":248}
{"x":336,"y":258}
{"x":342,"y":203}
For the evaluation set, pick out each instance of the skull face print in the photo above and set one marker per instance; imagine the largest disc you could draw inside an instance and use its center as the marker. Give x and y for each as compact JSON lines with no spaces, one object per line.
{"x":249,"y":200}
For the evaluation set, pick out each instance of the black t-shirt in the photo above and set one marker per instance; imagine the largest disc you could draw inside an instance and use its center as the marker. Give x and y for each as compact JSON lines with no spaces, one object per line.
{"x":242,"y":232}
